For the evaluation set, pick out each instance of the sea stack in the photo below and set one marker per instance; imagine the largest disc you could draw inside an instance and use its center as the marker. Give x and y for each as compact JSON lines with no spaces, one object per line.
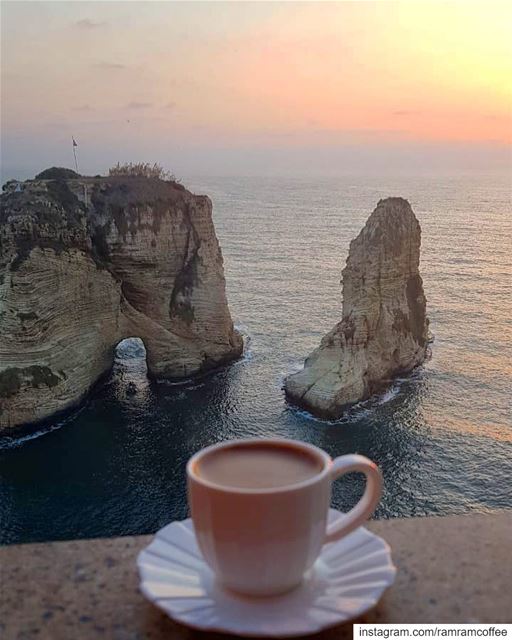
{"x":383,"y":331}
{"x":87,"y":262}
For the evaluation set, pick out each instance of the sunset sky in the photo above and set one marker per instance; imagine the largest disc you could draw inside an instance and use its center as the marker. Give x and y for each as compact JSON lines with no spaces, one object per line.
{"x":257,"y":88}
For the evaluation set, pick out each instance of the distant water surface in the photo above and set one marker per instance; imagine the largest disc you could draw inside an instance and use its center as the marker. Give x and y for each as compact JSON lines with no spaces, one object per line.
{"x":443,"y":437}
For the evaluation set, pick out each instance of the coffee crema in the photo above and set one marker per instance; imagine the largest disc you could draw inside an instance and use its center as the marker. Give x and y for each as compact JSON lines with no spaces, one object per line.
{"x":255,"y":466}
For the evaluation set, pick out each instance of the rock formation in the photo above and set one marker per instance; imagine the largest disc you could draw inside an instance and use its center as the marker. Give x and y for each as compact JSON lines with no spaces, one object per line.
{"x":87,"y":262}
{"x":383,"y":331}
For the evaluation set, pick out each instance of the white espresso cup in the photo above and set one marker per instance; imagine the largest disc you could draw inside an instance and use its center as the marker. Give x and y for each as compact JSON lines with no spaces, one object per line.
{"x":261,"y":541}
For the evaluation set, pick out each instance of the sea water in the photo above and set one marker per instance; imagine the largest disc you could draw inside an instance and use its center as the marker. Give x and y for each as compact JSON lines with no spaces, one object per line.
{"x":442,"y":436}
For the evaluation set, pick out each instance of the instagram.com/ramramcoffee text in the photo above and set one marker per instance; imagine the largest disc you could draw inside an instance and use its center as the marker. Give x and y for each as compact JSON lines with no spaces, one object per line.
{"x":364,"y":631}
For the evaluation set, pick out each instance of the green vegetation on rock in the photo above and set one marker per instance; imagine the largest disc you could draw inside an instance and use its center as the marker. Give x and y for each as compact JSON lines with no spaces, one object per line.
{"x":57,"y":173}
{"x":35,"y":375}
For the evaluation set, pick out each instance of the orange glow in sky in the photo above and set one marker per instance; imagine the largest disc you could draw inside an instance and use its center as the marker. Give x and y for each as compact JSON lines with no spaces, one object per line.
{"x":289,"y":74}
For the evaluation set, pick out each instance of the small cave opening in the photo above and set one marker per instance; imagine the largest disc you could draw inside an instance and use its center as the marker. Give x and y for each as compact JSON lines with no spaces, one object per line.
{"x":130,"y":368}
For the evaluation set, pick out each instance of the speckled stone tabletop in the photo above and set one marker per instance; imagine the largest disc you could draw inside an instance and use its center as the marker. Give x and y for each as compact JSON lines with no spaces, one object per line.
{"x":451,"y":569}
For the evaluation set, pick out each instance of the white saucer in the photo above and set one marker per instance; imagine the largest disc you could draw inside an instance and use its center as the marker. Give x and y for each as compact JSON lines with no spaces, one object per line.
{"x":348,"y":578}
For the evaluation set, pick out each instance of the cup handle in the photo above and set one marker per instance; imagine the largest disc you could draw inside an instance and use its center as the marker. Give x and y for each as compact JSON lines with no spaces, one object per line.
{"x":366,"y":506}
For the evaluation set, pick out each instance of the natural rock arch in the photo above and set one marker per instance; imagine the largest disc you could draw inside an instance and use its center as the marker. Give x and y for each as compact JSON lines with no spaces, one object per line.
{"x":87,"y":262}
{"x":131,"y":344}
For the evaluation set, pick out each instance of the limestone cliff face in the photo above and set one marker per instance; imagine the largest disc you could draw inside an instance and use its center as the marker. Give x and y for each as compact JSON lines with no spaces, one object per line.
{"x":384,"y":330}
{"x":87,"y":262}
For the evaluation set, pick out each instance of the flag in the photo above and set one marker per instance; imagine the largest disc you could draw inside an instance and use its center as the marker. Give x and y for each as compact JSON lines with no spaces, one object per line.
{"x":74,"y":142}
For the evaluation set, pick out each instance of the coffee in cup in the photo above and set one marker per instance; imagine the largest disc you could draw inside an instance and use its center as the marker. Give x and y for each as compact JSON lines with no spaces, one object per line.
{"x":260,"y":508}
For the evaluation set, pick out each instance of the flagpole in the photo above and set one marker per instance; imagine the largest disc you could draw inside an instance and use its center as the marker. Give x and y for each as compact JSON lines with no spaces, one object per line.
{"x":74,"y":152}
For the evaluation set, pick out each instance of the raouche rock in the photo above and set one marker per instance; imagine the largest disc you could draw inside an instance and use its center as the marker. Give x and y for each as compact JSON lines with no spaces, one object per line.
{"x":384,"y":329}
{"x":87,"y":262}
